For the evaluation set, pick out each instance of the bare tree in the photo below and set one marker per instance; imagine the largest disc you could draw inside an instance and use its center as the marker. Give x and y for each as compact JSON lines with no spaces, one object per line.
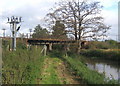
{"x":81,"y":19}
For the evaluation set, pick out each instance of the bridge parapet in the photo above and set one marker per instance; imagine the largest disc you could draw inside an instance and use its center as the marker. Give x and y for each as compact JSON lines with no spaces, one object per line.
{"x":48,"y":41}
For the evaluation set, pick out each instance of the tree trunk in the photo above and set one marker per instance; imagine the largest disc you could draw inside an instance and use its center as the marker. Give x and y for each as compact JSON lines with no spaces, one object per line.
{"x":75,"y":35}
{"x":79,"y":46}
{"x":75,"y":28}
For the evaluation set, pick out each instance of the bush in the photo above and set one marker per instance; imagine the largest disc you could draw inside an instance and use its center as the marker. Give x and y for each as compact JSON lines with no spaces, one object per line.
{"x":21,"y":45}
{"x":56,"y":53}
{"x":58,"y":47}
{"x":102,"y":54}
{"x":102,"y":45}
{"x":5,"y":44}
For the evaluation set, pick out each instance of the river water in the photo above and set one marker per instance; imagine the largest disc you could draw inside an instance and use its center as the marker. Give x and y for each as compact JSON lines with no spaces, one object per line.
{"x":109,"y":69}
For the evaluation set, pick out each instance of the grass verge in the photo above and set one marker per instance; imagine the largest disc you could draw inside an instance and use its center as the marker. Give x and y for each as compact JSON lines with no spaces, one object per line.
{"x":90,"y":77}
{"x":21,"y":66}
{"x":49,"y":74}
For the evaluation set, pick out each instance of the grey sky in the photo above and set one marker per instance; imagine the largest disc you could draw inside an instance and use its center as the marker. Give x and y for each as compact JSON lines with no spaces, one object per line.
{"x":33,"y":12}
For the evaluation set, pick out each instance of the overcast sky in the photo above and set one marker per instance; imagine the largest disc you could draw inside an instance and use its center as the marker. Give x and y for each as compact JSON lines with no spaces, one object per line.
{"x":33,"y":12}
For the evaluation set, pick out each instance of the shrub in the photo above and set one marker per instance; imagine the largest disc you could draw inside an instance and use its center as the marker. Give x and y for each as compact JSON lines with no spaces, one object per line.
{"x":102,"y":54}
{"x":102,"y":45}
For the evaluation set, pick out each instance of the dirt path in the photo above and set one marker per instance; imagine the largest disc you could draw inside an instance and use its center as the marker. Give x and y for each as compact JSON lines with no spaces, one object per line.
{"x":49,"y":74}
{"x":64,"y":74}
{"x":54,"y":71}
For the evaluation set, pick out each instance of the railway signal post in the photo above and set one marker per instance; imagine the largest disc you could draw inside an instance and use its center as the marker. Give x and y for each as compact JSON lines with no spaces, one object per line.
{"x":13,"y":21}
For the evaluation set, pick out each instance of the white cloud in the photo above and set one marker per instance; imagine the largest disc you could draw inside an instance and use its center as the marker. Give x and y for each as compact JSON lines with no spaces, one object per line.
{"x":109,"y":3}
{"x":33,"y":11}
{"x":110,"y":14}
{"x":111,"y":18}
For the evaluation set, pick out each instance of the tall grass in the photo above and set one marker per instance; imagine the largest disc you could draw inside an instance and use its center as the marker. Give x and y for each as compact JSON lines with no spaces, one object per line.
{"x":21,"y":66}
{"x":91,"y":77}
{"x":49,"y":74}
{"x":77,"y":65}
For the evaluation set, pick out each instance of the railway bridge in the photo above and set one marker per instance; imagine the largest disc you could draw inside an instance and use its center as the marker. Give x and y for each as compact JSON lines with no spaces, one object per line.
{"x":50,"y":42}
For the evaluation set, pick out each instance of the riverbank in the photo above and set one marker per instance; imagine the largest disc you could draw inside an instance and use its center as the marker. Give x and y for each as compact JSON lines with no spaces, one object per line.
{"x":109,"y":69}
{"x":78,"y":67}
{"x":106,"y":54}
{"x":90,"y":77}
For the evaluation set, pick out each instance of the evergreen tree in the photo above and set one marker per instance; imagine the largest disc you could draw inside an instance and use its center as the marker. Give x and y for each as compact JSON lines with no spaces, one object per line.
{"x":39,"y":32}
{"x":59,"y":31}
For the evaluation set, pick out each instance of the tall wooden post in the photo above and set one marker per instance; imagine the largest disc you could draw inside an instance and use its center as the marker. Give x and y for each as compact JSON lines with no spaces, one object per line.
{"x":50,"y":46}
{"x":45,"y":50}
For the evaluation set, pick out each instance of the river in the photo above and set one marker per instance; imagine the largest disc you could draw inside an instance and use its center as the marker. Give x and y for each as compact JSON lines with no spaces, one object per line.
{"x":109,"y":69}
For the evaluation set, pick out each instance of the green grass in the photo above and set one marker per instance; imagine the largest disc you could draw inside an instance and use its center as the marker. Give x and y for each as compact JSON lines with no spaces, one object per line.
{"x":89,"y":76}
{"x":26,"y":66}
{"x":76,"y":64}
{"x":113,"y":55}
{"x":49,"y":75}
{"x":21,"y":66}
{"x":109,"y":44}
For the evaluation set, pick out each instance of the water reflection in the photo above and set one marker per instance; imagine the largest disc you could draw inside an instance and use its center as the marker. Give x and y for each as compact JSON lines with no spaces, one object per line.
{"x":111,"y":71}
